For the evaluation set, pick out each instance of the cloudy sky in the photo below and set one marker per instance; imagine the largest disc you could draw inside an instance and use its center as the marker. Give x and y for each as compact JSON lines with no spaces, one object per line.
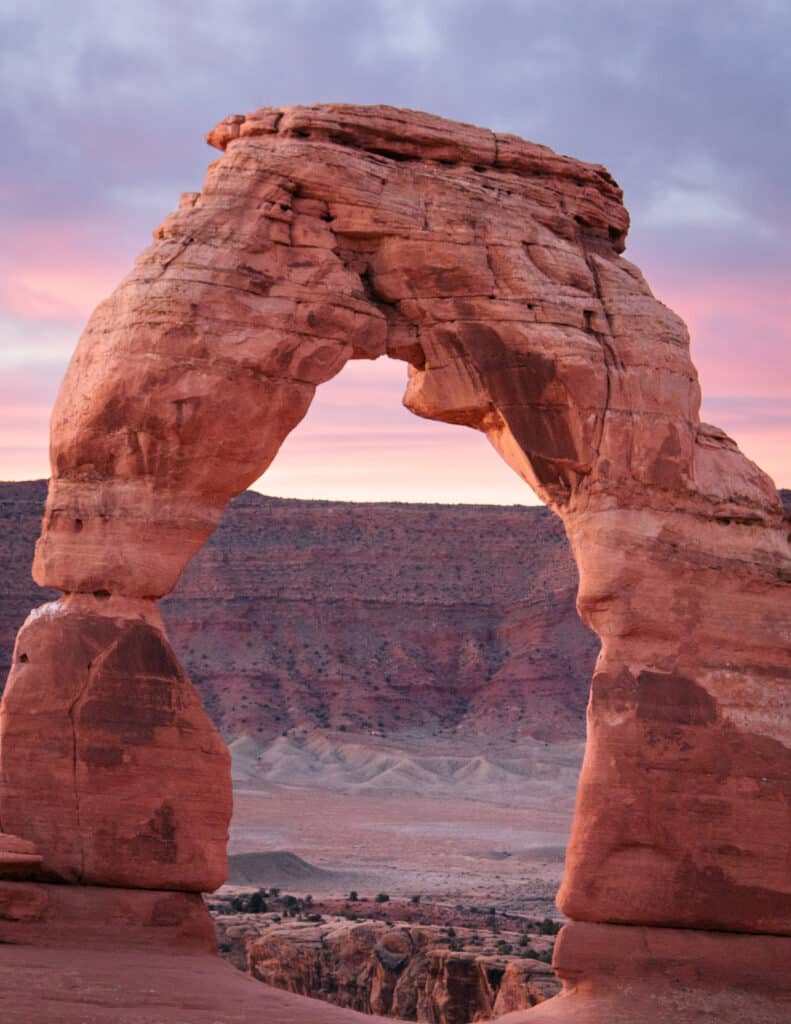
{"x":104,"y":107}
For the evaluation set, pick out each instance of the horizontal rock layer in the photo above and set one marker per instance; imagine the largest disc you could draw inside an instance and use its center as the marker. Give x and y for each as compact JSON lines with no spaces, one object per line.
{"x":395,"y":972}
{"x":93,"y":917}
{"x":302,"y":615}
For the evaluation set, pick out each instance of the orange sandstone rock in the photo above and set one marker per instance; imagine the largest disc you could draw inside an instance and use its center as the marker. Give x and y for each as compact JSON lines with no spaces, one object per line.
{"x":634,"y":975}
{"x":492,"y":267}
{"x":99,"y":917}
{"x":108,"y":762}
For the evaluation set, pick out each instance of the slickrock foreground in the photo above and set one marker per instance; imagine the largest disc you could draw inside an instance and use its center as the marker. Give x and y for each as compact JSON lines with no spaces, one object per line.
{"x":492,"y":267}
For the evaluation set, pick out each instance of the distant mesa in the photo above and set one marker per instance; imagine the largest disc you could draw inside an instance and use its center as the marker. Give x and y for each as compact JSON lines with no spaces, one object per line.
{"x":276,"y":867}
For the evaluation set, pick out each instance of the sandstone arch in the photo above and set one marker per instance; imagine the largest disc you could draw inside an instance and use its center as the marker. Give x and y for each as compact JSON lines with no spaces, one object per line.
{"x":492,"y":267}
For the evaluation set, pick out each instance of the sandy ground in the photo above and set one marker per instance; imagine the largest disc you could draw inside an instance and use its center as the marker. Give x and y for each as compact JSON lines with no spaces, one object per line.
{"x":456,"y":850}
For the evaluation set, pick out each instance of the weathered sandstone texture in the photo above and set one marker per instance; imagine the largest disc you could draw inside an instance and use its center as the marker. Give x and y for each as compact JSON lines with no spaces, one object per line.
{"x":404,"y":971}
{"x":129,"y":786}
{"x":120,"y":984}
{"x":618,"y":975}
{"x":493,"y":268}
{"x":100,"y":917}
{"x":18,"y":857}
{"x":395,"y":972}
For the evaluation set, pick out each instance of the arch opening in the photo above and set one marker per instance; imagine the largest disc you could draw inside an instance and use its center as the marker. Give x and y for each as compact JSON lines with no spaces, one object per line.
{"x":359,"y":443}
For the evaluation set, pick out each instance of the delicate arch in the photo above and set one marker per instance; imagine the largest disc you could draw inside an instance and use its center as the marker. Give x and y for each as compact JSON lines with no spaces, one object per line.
{"x":492,"y":267}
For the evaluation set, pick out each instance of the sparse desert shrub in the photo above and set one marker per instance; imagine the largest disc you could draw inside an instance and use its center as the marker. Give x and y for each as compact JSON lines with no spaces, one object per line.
{"x":256,"y":903}
{"x":353,"y":897}
{"x":382,"y":897}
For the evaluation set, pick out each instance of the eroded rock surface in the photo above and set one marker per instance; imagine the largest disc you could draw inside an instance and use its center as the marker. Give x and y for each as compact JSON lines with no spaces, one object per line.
{"x":402,"y":972}
{"x":101,"y":917}
{"x":616,"y":975}
{"x":108,"y":762}
{"x":492,"y":267}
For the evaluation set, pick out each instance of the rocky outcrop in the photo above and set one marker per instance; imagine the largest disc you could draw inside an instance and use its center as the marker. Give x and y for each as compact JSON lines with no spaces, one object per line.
{"x":525,"y":983}
{"x":21,"y":508}
{"x":493,"y":268}
{"x":653,"y":975}
{"x":101,"y":917}
{"x":400,"y":972}
{"x":129,"y":783}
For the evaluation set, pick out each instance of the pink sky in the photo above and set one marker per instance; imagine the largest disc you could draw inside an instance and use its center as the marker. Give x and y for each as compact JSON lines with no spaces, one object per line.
{"x":358,"y":442}
{"x":104,"y":109}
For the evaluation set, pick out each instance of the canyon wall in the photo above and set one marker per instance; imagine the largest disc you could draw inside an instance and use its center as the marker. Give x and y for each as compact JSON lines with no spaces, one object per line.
{"x":333,"y":615}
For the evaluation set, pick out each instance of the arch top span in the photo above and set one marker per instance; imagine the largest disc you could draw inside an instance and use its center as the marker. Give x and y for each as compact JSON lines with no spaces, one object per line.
{"x":489,"y":264}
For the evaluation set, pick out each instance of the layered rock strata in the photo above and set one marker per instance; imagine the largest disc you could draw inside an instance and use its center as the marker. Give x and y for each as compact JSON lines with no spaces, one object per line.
{"x":645,"y":975}
{"x":18,"y":857}
{"x":373,"y":967}
{"x":493,"y":268}
{"x":365,"y":617}
{"x":99,"y":917}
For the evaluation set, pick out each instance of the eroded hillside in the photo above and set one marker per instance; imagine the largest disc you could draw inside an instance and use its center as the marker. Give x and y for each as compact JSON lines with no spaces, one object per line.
{"x":363,"y":618}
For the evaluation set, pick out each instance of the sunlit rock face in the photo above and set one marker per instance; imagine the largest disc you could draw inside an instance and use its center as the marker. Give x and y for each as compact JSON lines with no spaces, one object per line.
{"x":128,"y":783}
{"x":493,"y":268}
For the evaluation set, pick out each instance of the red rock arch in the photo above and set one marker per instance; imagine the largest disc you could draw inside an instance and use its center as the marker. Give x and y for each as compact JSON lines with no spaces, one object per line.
{"x":492,"y":267}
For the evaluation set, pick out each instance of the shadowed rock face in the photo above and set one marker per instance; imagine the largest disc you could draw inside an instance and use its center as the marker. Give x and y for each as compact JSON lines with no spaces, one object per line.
{"x":493,"y":268}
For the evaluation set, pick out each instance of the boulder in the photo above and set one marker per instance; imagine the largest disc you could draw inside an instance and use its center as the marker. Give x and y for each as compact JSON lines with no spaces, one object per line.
{"x":108,"y":762}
